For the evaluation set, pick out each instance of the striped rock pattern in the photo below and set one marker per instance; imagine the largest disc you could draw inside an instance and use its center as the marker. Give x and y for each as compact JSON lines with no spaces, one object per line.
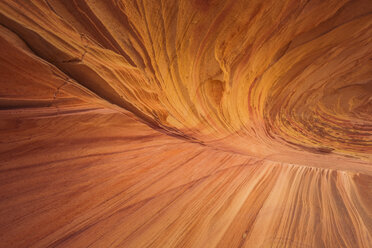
{"x":189,"y":123}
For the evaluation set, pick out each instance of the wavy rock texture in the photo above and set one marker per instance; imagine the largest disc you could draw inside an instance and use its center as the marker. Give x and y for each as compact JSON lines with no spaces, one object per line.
{"x":189,"y":123}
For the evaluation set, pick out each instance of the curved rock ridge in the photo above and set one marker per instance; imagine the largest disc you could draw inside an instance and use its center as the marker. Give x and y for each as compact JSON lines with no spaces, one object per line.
{"x":269,"y":80}
{"x":189,"y":123}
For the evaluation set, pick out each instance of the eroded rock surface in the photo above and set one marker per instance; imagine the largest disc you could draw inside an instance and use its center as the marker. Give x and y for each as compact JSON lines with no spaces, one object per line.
{"x":185,"y":123}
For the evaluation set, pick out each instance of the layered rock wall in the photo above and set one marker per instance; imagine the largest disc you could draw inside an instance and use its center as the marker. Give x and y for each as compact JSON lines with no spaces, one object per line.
{"x":185,"y":123}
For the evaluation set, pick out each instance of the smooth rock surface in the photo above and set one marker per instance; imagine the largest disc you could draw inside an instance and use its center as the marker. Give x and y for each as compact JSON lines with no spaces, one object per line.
{"x":189,"y":123}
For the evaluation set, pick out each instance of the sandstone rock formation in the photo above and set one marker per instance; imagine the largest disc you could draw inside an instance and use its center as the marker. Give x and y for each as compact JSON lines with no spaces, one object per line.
{"x":188,"y":123}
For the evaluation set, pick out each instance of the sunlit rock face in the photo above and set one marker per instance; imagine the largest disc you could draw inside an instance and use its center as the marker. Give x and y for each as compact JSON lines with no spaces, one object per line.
{"x":188,"y":123}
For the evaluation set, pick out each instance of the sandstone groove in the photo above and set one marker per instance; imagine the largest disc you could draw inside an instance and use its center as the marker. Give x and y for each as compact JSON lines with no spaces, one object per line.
{"x":142,"y":123}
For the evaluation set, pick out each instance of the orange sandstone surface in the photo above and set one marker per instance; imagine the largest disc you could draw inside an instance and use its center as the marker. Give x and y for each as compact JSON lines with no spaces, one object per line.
{"x":186,"y":123}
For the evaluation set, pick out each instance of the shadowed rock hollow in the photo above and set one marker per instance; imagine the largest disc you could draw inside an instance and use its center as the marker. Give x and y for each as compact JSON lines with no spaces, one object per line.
{"x":188,"y":123}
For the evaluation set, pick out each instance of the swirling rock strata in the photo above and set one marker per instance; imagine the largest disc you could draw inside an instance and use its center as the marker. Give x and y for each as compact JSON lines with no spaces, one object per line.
{"x":185,"y":123}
